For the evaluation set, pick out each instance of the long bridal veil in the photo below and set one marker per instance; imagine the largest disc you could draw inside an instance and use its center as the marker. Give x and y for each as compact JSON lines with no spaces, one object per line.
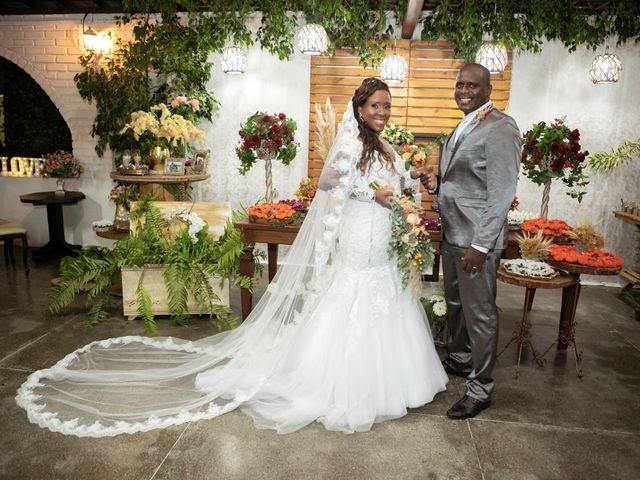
{"x":132,"y":384}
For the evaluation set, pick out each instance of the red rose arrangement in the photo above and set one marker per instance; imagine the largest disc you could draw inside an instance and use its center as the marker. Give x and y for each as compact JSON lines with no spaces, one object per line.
{"x":554,"y":151}
{"x":266,"y":136}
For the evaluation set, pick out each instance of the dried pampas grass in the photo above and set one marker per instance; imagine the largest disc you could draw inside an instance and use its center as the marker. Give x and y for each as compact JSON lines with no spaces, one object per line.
{"x":326,"y":128}
{"x":587,"y":236}
{"x":534,"y":247}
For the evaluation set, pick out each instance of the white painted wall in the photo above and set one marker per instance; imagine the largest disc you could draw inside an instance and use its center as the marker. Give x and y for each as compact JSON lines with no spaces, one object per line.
{"x":551,"y":84}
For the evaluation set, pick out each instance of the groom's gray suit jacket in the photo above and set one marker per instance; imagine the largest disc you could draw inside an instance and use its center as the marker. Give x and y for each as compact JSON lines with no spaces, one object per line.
{"x":477,"y":184}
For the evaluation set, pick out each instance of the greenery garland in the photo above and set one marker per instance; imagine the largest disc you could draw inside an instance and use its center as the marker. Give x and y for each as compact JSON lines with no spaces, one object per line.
{"x":524,"y":25}
{"x":172,"y":40}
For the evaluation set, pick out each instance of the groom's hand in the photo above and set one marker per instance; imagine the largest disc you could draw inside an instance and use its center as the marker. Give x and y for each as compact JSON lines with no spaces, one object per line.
{"x":473,"y":260}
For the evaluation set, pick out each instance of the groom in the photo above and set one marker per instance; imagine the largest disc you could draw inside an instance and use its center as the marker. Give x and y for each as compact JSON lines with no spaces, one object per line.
{"x":477,"y":180}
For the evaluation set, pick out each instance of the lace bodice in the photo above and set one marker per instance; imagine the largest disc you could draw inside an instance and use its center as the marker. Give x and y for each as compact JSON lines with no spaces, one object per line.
{"x":364,"y":239}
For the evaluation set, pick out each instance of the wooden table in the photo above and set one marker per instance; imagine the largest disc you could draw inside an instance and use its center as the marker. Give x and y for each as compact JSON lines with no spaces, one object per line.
{"x":261,"y":233}
{"x":569,"y":285}
{"x":631,"y":276}
{"x":153,"y":182}
{"x":570,"y":297}
{"x":57,"y":247}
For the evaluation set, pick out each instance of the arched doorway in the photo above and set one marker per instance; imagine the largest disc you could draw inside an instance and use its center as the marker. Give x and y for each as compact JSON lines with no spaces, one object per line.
{"x":32,"y":124}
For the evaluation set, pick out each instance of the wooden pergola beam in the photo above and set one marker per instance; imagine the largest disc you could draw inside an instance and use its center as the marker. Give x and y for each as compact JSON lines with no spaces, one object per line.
{"x":414,"y":9}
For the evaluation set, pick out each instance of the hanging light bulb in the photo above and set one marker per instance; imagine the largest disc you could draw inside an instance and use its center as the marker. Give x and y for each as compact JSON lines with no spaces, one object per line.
{"x":313,"y":39}
{"x":234,"y":60}
{"x":393,"y":69}
{"x":493,"y":57}
{"x":606,"y":68}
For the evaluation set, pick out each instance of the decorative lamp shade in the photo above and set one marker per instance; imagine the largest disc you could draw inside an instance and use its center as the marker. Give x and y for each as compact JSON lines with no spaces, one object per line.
{"x":96,"y":43}
{"x":606,"y":68}
{"x":393,"y":69}
{"x":493,"y":57}
{"x":313,"y":39}
{"x":234,"y":60}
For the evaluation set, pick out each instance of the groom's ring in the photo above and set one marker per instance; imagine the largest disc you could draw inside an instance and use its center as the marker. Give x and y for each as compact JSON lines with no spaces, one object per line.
{"x":475,"y":269}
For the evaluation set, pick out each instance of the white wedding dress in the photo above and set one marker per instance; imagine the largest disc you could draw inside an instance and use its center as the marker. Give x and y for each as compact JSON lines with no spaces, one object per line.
{"x":335,"y":339}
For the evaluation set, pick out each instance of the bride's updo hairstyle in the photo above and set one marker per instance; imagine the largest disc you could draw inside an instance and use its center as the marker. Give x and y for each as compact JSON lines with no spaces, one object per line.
{"x":371,"y":142}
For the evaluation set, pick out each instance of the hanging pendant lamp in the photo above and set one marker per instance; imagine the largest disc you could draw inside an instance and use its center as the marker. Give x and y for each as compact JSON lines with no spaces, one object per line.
{"x":493,"y":57}
{"x":313,"y":39}
{"x":234,"y":60}
{"x":393,"y":69}
{"x":606,"y":68}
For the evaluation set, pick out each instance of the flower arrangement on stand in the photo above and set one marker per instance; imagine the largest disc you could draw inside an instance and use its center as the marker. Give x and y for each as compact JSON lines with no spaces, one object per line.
{"x":306,"y":191}
{"x":160,"y":131}
{"x":122,"y":195}
{"x":61,"y":164}
{"x":558,"y":229}
{"x":436,"y":309}
{"x":282,"y":213}
{"x":266,"y":137}
{"x":553,"y":151}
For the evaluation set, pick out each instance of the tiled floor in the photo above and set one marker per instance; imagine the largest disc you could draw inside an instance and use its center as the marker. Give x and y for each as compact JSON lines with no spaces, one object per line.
{"x":547,"y":425}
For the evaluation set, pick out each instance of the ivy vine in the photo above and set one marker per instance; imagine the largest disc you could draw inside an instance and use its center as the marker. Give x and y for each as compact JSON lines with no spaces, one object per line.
{"x":525,"y":25}
{"x":172,"y":40}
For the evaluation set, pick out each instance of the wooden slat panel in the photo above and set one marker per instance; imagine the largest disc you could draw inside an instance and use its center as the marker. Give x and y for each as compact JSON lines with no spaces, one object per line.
{"x":423,"y":103}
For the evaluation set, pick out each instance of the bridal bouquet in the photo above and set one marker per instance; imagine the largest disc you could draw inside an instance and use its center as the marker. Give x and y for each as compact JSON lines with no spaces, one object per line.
{"x":410,"y":241}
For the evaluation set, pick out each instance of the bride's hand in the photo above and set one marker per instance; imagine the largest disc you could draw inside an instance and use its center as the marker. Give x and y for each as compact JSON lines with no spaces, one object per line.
{"x":382,"y":196}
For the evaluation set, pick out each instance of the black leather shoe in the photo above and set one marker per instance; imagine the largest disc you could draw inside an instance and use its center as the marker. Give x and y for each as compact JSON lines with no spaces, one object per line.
{"x":455,"y":368}
{"x":467,"y":407}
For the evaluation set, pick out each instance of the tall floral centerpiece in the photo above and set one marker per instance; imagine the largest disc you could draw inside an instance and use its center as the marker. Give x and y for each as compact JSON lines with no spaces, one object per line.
{"x":160,"y":130}
{"x":267,"y":137}
{"x":554,"y":151}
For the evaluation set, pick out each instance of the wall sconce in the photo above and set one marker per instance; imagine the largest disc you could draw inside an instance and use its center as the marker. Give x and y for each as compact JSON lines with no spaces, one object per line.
{"x":606,"y":68}
{"x":313,"y":39}
{"x":393,"y":69}
{"x":99,"y":44}
{"x":234,"y":60}
{"x":493,"y":57}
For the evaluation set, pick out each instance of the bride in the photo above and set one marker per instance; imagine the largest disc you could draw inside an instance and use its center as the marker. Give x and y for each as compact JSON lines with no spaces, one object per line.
{"x":334,"y":339}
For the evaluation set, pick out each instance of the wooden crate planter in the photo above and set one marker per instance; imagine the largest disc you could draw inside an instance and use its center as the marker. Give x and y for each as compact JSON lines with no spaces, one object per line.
{"x":153,"y":281}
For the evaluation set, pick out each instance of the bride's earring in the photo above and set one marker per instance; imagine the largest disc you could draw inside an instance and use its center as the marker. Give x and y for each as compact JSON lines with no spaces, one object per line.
{"x":361,"y":117}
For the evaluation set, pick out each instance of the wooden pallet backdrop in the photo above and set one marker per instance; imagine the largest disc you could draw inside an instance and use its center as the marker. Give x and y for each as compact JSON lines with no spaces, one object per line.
{"x":423,"y":103}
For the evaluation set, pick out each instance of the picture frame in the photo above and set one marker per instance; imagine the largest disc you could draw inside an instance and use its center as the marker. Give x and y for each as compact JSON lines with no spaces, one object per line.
{"x":200,"y":161}
{"x":174,"y":166}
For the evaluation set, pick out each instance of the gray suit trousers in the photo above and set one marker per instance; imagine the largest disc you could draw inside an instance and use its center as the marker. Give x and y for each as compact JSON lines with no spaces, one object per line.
{"x":473,"y":317}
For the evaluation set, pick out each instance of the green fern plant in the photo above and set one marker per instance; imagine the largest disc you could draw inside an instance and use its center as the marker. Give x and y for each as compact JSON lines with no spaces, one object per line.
{"x":190,"y":267}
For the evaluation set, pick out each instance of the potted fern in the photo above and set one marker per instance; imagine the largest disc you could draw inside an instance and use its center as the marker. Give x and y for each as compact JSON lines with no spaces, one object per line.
{"x":192,"y":262}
